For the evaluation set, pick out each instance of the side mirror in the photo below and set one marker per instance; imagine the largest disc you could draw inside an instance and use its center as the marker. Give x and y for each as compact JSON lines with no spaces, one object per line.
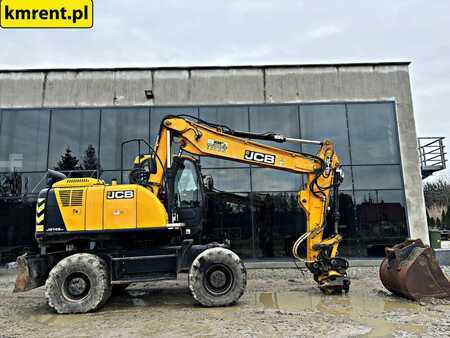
{"x":208,"y":182}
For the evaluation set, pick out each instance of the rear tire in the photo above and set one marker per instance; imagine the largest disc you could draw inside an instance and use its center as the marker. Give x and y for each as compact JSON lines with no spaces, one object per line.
{"x":78,"y":284}
{"x":217,"y":277}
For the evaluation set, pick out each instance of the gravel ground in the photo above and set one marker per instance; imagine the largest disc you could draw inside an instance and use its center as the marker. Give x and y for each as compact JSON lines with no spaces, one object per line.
{"x":278,"y":302}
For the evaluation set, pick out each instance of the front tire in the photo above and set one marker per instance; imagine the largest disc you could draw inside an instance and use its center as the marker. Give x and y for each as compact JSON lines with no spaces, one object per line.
{"x":78,"y":284}
{"x":217,"y":277}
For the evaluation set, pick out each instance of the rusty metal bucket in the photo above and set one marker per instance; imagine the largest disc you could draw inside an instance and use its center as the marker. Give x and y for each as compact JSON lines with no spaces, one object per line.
{"x":29,"y":273}
{"x":411,"y":270}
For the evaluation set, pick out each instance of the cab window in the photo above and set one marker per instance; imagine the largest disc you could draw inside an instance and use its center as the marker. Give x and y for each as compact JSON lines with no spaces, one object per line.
{"x":186,"y":186}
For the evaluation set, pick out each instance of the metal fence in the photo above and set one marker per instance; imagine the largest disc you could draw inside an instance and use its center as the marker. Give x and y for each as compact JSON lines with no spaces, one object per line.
{"x":432,"y":154}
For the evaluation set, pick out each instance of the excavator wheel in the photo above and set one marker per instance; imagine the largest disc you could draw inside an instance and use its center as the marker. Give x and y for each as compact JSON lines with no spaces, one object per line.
{"x":79,"y":283}
{"x":410,"y":270}
{"x":217,"y":277}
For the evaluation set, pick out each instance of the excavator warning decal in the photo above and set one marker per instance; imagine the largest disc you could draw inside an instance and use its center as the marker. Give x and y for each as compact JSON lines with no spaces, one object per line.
{"x":217,"y":146}
{"x":259,"y":157}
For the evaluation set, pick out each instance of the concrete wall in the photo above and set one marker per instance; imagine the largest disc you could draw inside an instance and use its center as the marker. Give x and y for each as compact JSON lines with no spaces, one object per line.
{"x":233,"y":85}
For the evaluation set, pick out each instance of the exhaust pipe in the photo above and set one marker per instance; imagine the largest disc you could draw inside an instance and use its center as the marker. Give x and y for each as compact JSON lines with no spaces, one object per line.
{"x":54,"y":176}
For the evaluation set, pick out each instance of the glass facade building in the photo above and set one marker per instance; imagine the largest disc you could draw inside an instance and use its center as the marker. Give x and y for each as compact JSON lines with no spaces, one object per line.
{"x":256,"y":207}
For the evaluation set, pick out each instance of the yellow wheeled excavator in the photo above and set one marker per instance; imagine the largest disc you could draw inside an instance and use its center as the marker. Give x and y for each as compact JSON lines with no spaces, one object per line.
{"x":96,"y":237}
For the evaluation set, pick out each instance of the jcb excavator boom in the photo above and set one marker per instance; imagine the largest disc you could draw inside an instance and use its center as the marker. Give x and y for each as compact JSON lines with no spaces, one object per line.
{"x":322,"y":170}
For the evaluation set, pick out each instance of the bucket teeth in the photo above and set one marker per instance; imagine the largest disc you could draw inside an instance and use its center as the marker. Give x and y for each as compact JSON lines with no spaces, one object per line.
{"x":411,"y":270}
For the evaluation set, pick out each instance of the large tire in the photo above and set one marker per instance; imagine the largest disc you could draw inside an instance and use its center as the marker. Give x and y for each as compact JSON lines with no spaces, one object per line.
{"x":78,"y":284}
{"x":217,"y":277}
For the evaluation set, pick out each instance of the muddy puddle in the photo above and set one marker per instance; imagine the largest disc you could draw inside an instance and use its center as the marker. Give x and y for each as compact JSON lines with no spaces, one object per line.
{"x":380,"y":314}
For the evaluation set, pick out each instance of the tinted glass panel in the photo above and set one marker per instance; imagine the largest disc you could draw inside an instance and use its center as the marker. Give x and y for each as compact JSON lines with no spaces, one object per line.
{"x":347,"y":183}
{"x":377,"y":177}
{"x":17,"y":226}
{"x":32,"y":183}
{"x":347,"y":215}
{"x":381,"y":219}
{"x":119,"y":125}
{"x":24,"y":139}
{"x":325,"y":121}
{"x":74,"y":129}
{"x":279,"y":221}
{"x":275,"y":180}
{"x":229,"y":215}
{"x":373,"y":133}
{"x":232,"y":117}
{"x":17,"y":184}
{"x":234,"y":180}
{"x":277,"y":119}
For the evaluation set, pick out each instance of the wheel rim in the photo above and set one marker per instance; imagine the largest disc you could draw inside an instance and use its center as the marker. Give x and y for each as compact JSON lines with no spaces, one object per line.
{"x":218,"y":279}
{"x":76,"y":286}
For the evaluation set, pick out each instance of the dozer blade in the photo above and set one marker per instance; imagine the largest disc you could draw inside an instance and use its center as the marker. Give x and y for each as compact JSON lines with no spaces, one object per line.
{"x":411,"y":270}
{"x":28,"y":274}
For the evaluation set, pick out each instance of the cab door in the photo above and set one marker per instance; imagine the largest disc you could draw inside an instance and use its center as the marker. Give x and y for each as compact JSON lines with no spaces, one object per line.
{"x":188,"y":194}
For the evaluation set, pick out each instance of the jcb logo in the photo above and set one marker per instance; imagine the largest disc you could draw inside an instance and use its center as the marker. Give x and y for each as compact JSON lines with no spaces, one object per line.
{"x":259,"y":157}
{"x":120,"y":195}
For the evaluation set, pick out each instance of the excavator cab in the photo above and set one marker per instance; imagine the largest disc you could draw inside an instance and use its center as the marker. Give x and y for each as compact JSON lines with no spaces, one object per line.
{"x":186,"y":195}
{"x":183,"y":194}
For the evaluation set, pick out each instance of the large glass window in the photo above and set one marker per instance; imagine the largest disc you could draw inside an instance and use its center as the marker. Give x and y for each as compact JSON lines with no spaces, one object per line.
{"x":381,"y":219}
{"x":256,"y":207}
{"x":279,"y":221}
{"x":277,"y":119}
{"x":233,"y":117}
{"x":24,"y":139}
{"x":119,"y":125}
{"x":325,"y":121}
{"x":74,"y":129}
{"x":232,"y":180}
{"x":373,"y":133}
{"x":275,"y":180}
{"x":229,"y":215}
{"x":377,"y":177}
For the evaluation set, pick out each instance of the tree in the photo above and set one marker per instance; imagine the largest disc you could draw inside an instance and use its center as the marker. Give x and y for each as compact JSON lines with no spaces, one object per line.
{"x":437,"y":193}
{"x":68,"y":162}
{"x":432,"y":222}
{"x":90,"y":161}
{"x":447,"y":218}
{"x":428,"y":218}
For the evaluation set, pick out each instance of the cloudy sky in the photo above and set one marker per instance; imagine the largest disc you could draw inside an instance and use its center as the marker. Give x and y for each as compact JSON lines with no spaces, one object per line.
{"x":223,"y":32}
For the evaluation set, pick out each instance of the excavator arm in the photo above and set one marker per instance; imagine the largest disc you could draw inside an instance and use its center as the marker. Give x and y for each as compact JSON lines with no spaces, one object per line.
{"x":322,"y":171}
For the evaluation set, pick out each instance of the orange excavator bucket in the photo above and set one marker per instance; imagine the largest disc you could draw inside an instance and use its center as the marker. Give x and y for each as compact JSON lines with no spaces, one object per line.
{"x":411,"y":270}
